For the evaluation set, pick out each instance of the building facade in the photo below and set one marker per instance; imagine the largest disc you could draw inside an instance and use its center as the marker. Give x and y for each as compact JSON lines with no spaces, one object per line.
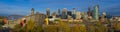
{"x":89,"y":12}
{"x":64,"y":13}
{"x":78,"y":15}
{"x":96,"y":12}
{"x":48,"y":11}
{"x":74,"y":13}
{"x":32,"y":11}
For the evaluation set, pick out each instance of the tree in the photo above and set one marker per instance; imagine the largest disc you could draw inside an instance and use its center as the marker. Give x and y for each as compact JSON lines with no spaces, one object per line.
{"x":82,"y":28}
{"x":17,"y":27}
{"x":75,"y":28}
{"x":91,"y":28}
{"x":63,"y":26}
{"x":117,"y":26}
{"x":30,"y":25}
{"x":38,"y":29}
{"x":50,"y":28}
{"x":100,"y":28}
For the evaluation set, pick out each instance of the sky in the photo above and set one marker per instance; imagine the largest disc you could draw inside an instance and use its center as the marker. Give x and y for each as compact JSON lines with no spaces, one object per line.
{"x":23,"y":7}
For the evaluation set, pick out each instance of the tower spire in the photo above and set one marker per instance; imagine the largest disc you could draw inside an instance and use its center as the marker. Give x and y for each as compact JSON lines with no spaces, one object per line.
{"x":32,"y":11}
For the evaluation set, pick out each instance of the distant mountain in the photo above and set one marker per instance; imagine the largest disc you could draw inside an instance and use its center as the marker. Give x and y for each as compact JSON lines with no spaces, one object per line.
{"x":13,"y":17}
{"x":4,"y":14}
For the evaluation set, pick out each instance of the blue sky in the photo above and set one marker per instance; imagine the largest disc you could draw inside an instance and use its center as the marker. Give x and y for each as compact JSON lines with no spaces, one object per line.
{"x":23,"y":7}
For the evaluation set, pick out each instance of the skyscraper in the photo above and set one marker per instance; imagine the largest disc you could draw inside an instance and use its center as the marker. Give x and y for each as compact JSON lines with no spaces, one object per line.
{"x":32,"y":11}
{"x":78,"y":15}
{"x":92,"y":13}
{"x":69,"y":13}
{"x":64,"y":13}
{"x":89,"y":12}
{"x":48,"y":11}
{"x":64,"y":10}
{"x":74,"y":13}
{"x":58,"y":11}
{"x":96,"y":12}
{"x":54,"y":15}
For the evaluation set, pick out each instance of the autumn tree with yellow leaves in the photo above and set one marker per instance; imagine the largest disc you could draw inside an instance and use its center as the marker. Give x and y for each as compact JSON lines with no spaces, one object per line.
{"x":63,"y":26}
{"x":30,"y":25}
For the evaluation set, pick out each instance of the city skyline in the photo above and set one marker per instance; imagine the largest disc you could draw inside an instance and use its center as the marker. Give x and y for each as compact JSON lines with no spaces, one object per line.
{"x":23,"y":7}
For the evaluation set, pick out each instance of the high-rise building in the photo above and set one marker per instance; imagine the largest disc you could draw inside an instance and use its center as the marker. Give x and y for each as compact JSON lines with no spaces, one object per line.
{"x":69,"y":13}
{"x":48,"y":11}
{"x":54,"y":15}
{"x":64,"y":13}
{"x":64,"y":10}
{"x":74,"y":13}
{"x":32,"y":11}
{"x":58,"y":11}
{"x":92,"y":13}
{"x":78,"y":15}
{"x":96,"y":12}
{"x":89,"y":12}
{"x":84,"y":15}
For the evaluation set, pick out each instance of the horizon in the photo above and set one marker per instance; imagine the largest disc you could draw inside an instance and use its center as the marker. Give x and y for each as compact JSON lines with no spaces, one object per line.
{"x":23,"y":7}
